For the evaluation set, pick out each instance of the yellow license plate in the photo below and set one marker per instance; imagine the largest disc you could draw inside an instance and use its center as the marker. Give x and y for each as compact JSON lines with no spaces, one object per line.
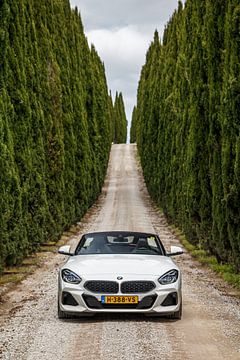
{"x":119,"y":299}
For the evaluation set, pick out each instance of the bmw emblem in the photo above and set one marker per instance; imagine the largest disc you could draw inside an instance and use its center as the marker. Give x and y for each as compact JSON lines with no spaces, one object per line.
{"x":119,"y":277}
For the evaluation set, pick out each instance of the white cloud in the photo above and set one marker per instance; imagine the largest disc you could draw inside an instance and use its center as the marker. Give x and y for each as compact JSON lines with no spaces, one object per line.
{"x":124,"y":48}
{"x":120,"y":13}
{"x":123,"y":51}
{"x":122,"y":31}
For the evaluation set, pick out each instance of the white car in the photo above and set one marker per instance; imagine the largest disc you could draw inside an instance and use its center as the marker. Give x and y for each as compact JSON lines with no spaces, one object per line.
{"x":119,"y":272}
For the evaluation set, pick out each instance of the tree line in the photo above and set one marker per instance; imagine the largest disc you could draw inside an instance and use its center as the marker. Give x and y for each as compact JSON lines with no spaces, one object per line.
{"x":187,"y":124}
{"x":56,"y":124}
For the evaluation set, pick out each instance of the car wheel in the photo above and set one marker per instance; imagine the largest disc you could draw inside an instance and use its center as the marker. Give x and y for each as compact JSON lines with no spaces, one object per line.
{"x":62,"y":314}
{"x":177,"y":315}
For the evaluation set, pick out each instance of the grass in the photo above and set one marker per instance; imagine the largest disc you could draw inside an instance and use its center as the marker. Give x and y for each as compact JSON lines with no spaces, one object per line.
{"x":16,"y":274}
{"x":226,"y":271}
{"x":11,"y":278}
{"x":30,"y":261}
{"x":46,"y":248}
{"x":17,"y":270}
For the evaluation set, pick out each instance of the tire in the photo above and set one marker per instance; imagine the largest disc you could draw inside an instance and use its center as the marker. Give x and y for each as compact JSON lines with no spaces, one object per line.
{"x":62,"y":314}
{"x":176,"y":315}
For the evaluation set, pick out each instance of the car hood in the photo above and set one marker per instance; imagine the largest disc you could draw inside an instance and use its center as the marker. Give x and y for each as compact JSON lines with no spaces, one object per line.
{"x":85,"y":265}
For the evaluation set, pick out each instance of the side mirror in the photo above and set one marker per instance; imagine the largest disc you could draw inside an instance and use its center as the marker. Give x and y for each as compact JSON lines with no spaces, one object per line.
{"x":65,"y":250}
{"x":175,"y":250}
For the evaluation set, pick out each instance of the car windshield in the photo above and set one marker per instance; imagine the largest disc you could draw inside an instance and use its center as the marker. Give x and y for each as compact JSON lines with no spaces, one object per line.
{"x":119,"y":243}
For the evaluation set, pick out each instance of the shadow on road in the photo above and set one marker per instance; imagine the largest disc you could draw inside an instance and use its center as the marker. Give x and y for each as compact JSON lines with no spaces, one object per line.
{"x":98,"y":318}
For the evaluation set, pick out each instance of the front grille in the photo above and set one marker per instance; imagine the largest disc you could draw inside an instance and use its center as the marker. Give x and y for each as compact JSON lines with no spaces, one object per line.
{"x":98,"y":286}
{"x":134,"y":287}
{"x":93,"y":303}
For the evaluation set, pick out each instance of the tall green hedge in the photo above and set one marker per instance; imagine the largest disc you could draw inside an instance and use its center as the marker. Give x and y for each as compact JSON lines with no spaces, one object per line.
{"x":119,"y":120}
{"x":55,"y":123}
{"x":187,"y":124}
{"x":133,"y":135}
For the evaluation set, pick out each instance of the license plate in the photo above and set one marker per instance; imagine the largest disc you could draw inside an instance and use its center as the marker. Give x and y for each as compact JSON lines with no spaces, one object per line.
{"x":119,"y":299}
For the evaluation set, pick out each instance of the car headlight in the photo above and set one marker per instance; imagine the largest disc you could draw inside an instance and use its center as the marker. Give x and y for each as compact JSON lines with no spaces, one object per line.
{"x":169,"y":278}
{"x":70,"y":277}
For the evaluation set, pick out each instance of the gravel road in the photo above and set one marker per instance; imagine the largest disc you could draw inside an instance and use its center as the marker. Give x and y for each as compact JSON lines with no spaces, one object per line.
{"x":209,"y":329}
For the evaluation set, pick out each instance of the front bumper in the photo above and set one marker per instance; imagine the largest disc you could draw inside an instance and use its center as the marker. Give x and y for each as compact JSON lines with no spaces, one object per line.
{"x":75,"y":299}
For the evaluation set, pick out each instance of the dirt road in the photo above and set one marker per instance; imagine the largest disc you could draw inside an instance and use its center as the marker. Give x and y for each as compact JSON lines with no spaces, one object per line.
{"x":209,"y":329}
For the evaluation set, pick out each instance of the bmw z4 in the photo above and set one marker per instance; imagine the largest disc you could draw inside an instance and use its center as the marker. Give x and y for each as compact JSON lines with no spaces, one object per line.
{"x":119,"y":272}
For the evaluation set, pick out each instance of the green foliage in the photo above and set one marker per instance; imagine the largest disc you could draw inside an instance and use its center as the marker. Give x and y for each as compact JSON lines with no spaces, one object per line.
{"x":133,"y":135}
{"x":120,"y":120}
{"x":56,"y":122}
{"x":226,"y":271}
{"x":187,"y":127}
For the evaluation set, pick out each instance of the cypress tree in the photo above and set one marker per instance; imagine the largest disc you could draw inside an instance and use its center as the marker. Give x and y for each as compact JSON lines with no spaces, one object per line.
{"x":55,"y":123}
{"x":133,"y":126}
{"x":187,"y":124}
{"x":13,"y":242}
{"x":120,"y":120}
{"x":229,"y":244}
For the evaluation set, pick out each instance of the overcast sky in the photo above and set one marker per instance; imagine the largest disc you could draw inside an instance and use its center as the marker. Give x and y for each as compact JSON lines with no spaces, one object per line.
{"x":122,"y":31}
